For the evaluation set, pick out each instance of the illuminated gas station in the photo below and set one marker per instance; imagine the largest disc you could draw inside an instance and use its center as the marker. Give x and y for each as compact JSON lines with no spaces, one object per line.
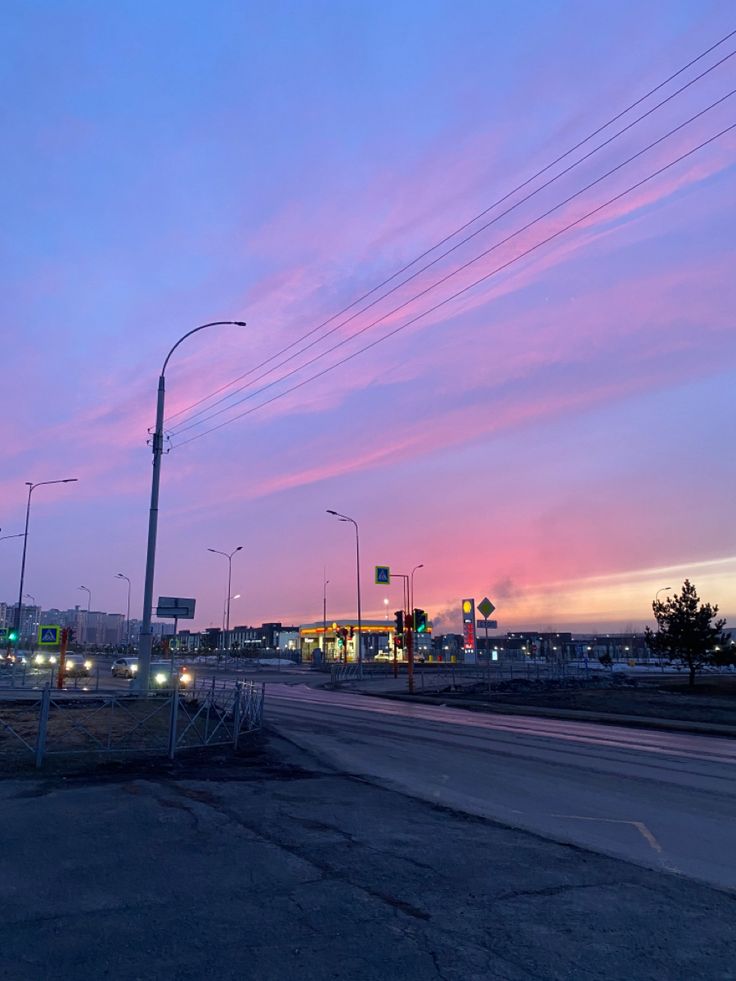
{"x":338,"y":642}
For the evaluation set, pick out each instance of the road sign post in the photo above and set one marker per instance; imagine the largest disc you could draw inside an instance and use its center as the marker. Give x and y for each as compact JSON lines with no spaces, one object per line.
{"x":485,"y":608}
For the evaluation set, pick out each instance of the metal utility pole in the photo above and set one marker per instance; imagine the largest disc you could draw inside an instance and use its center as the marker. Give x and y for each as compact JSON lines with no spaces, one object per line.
{"x":31,"y":487}
{"x":89,"y":604}
{"x":146,"y":636}
{"x":229,"y":557}
{"x":411,"y":598}
{"x":344,"y":517}
{"x":120,"y":575}
{"x":325,"y":584}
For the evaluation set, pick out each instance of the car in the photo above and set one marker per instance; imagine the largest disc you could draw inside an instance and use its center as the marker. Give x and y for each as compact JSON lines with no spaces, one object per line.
{"x":76,"y":666}
{"x":160,"y":677}
{"x":125,"y":667}
{"x":43,"y":660}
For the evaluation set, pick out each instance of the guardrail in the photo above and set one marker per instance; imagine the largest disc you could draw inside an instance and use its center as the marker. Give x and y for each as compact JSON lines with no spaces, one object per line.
{"x":64,"y":723}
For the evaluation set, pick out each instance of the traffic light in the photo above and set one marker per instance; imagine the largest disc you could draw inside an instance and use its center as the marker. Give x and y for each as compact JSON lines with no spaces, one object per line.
{"x":420,"y":621}
{"x":70,"y":633}
{"x":13,"y":636}
{"x":399,"y":629}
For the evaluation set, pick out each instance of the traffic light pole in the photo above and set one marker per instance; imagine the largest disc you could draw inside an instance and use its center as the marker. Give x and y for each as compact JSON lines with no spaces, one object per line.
{"x":410,"y":652}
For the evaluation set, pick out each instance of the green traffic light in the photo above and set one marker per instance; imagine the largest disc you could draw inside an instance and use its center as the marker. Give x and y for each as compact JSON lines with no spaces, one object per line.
{"x":12,"y":636}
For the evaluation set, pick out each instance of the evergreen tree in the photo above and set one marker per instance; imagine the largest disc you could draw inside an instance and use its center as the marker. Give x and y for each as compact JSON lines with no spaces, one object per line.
{"x":687,"y":631}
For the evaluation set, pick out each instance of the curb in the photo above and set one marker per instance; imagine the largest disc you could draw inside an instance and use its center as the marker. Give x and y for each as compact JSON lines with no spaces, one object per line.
{"x":569,"y":715}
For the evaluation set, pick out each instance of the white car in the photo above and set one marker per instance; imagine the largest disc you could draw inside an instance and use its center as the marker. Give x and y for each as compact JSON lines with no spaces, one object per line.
{"x":43,"y":660}
{"x":125,"y":667}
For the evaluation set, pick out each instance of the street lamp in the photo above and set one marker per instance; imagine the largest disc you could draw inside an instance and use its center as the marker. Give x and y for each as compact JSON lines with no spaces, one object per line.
{"x":224,"y":610}
{"x":352,"y":521}
{"x":229,"y":557}
{"x":411,"y":587}
{"x":31,"y":487}
{"x":89,"y":604}
{"x":325,"y":584}
{"x":120,"y":575}
{"x":157,"y":446}
{"x":664,"y":589}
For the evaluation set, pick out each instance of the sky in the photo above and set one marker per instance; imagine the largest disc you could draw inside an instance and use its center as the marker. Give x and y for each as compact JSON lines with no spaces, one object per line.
{"x":558,"y":437}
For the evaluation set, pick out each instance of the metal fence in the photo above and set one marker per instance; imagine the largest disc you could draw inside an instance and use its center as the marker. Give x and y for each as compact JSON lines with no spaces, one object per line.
{"x":64,"y":723}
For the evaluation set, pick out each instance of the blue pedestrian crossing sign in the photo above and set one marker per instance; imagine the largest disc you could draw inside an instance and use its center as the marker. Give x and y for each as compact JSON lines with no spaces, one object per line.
{"x":383,"y":575}
{"x":49,"y":635}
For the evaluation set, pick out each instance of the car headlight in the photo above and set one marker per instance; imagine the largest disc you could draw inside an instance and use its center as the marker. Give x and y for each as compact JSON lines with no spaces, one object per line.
{"x":38,"y":659}
{"x":160,"y":678}
{"x":134,"y":668}
{"x":52,"y":660}
{"x":185,"y":678}
{"x":88,"y":665}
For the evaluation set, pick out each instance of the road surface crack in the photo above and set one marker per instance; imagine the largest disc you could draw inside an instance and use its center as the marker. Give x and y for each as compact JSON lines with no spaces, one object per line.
{"x":558,"y":890}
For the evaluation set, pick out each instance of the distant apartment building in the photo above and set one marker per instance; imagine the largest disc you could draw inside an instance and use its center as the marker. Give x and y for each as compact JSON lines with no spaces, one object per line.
{"x":30,"y":618}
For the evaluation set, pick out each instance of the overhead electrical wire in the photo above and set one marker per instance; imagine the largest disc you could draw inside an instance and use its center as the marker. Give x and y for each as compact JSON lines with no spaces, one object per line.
{"x":470,"y":286}
{"x":189,"y":425}
{"x":471,"y":221}
{"x":207,"y":410}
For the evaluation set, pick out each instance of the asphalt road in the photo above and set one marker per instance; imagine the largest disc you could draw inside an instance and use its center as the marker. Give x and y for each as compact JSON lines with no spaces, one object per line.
{"x":662,"y":800}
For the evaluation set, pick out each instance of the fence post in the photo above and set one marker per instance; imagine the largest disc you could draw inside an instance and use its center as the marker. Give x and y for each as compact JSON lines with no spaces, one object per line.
{"x":43,"y":718}
{"x":173,"y":720}
{"x":236,"y":712}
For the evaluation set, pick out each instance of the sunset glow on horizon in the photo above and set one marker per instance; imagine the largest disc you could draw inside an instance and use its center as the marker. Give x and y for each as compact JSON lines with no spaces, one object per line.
{"x":558,"y":437}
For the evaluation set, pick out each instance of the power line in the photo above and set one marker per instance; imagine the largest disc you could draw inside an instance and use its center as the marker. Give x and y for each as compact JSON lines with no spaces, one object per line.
{"x":207,"y":411}
{"x":469,"y":287}
{"x":218,"y":412}
{"x":462,"y":228}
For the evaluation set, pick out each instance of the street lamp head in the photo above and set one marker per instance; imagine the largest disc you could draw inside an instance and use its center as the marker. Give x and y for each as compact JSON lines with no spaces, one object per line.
{"x":238,"y":548}
{"x":331,"y":512}
{"x":239,"y":323}
{"x":70,"y":480}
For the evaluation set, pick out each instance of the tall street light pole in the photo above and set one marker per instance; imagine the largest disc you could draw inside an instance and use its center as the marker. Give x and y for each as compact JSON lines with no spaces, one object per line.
{"x":120,"y":575}
{"x":229,"y":557}
{"x":325,"y":584}
{"x":89,"y":604}
{"x":664,"y":589}
{"x":411,"y":588}
{"x":411,"y":605}
{"x":31,"y":487}
{"x":146,"y":637}
{"x":354,"y":523}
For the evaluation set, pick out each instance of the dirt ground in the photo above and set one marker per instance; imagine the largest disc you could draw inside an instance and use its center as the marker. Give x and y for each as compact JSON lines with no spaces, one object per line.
{"x":712,"y":700}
